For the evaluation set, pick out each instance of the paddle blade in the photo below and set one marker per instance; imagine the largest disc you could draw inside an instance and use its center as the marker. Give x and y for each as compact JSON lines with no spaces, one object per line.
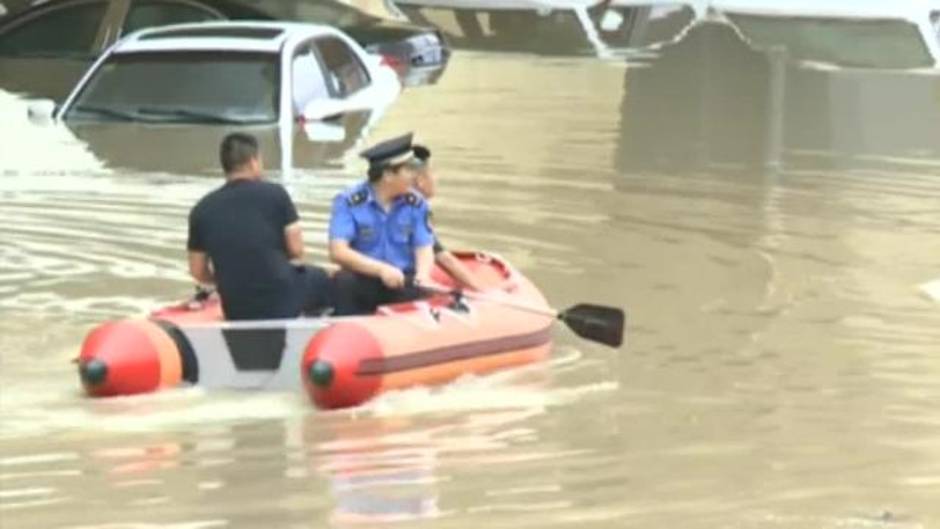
{"x":595,"y":322}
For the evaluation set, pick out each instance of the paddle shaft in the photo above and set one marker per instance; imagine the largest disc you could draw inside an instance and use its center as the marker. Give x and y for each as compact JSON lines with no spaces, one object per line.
{"x":549,"y":312}
{"x":593,"y":322}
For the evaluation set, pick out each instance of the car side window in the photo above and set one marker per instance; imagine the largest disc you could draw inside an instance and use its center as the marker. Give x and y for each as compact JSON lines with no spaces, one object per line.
{"x":151,"y":13}
{"x":307,"y":79}
{"x":68,"y":30}
{"x":345,"y":73}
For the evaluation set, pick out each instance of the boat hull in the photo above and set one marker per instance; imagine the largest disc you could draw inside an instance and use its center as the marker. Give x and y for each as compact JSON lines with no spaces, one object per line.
{"x":338,"y":362}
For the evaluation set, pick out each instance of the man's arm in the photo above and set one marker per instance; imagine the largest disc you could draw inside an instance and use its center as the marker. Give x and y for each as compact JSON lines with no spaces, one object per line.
{"x":424,"y":263}
{"x":342,"y":231}
{"x":423,"y":243}
{"x":344,"y":255}
{"x":459,"y":271}
{"x":294,"y":241}
{"x":199,"y":268}
{"x":290,"y":220}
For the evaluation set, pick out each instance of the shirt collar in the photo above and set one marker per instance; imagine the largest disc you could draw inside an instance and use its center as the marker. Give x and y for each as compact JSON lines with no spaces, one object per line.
{"x":366,"y":189}
{"x":371,"y":198}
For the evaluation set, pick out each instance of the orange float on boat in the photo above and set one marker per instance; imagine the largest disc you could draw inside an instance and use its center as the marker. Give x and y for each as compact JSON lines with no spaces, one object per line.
{"x":340,"y":362}
{"x":429,"y":342}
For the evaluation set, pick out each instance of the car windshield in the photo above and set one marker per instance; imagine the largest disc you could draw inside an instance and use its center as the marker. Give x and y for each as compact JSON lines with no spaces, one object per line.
{"x":885,"y":43}
{"x":189,"y":87}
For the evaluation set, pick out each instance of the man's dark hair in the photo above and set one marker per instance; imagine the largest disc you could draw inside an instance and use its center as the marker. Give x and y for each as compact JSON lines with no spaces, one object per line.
{"x":422,"y":153}
{"x":375,"y":173}
{"x":237,"y":150}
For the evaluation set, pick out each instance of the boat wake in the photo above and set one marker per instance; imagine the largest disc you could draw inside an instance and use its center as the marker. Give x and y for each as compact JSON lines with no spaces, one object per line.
{"x":523,"y":388}
{"x":527,"y":391}
{"x":180,"y":408}
{"x":932,"y":289}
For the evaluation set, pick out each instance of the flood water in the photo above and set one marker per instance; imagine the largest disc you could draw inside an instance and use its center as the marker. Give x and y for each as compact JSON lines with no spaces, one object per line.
{"x":765,"y":226}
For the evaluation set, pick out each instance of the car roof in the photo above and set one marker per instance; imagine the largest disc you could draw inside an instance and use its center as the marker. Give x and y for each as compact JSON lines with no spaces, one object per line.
{"x":499,"y":4}
{"x":906,"y":9}
{"x":266,"y":37}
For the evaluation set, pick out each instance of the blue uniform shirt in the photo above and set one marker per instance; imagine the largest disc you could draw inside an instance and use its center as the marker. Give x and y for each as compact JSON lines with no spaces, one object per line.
{"x":392,"y":237}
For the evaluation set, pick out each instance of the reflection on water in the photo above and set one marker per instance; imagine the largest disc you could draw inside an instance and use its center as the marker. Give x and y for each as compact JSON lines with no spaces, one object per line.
{"x":384,"y":462}
{"x":712,"y":101}
{"x":770,"y":229}
{"x":192,"y":149}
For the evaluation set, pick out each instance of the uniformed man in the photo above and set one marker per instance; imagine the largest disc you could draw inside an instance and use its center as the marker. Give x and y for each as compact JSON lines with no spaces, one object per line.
{"x":379,"y":233}
{"x":245,"y":238}
{"x":426,"y":184}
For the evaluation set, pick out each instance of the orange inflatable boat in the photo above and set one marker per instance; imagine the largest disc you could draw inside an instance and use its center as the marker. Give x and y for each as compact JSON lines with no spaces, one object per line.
{"x":340,"y":362}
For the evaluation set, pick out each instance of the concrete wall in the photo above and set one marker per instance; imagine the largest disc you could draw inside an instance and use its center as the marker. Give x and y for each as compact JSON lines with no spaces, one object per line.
{"x":375,"y":7}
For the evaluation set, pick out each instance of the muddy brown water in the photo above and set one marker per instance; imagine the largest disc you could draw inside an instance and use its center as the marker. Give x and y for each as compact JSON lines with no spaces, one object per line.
{"x":766,"y":227}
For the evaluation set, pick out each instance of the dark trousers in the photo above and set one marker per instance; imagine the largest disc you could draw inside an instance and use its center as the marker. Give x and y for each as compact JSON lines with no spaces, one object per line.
{"x":356,"y":293}
{"x":317,"y":290}
{"x":311,"y":292}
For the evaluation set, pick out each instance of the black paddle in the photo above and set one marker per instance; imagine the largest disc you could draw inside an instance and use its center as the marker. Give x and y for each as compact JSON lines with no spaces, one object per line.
{"x":592,"y":322}
{"x":595,"y":322}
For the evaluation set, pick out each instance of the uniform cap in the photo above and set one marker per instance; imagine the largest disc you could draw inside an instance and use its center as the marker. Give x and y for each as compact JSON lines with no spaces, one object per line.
{"x":390,"y":152}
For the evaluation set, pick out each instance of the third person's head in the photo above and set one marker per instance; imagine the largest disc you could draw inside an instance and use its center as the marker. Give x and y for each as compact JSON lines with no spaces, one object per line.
{"x":425,"y":181}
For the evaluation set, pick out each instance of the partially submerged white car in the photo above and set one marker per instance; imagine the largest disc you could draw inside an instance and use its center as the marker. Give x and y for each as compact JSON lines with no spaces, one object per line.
{"x":600,"y":27}
{"x":170,"y":86}
{"x":857,"y":34}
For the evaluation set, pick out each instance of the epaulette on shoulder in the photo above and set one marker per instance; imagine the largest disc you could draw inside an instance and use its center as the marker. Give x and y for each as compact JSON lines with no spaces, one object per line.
{"x":357,"y":198}
{"x":412,"y":199}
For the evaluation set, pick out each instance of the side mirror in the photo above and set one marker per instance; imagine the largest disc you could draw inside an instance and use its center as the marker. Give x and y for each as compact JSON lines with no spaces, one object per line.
{"x":611,"y":21}
{"x":323,"y":109}
{"x":41,"y":111}
{"x":324,"y":132}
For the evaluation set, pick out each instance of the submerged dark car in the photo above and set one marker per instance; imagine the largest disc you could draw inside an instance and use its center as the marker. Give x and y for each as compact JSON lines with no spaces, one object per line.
{"x":45,"y":49}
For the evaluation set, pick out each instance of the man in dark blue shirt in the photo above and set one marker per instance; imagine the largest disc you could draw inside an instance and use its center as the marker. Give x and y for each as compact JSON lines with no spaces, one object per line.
{"x":379,"y":233}
{"x":243,"y":238}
